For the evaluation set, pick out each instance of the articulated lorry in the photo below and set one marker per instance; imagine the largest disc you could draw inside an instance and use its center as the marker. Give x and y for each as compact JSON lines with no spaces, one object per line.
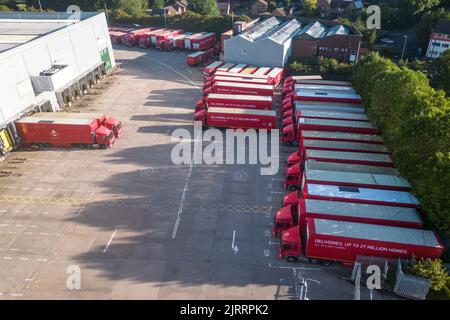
{"x":240,"y":88}
{"x":290,"y":216}
{"x":64,"y":132}
{"x":217,"y":100}
{"x":235,"y":118}
{"x":110,"y":123}
{"x":330,"y":241}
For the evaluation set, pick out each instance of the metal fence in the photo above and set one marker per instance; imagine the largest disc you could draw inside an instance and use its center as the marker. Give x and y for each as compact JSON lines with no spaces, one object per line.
{"x":410,"y":286}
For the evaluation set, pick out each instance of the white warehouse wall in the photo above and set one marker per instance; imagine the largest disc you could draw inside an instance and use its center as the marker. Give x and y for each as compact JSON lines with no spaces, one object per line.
{"x":77,"y":45}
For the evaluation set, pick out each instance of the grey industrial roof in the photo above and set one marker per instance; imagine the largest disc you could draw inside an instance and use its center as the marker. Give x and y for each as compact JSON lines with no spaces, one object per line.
{"x":19,"y":28}
{"x":317,"y":30}
{"x":345,"y":155}
{"x":351,"y":209}
{"x":374,"y":232}
{"x":443,"y":26}
{"x":356,"y":146}
{"x":273,"y":29}
{"x":390,"y":196}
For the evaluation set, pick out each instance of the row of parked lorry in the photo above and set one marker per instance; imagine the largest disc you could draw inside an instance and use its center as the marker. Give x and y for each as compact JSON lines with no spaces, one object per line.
{"x":347,"y":199}
{"x":163,"y":39}
{"x":238,"y":96}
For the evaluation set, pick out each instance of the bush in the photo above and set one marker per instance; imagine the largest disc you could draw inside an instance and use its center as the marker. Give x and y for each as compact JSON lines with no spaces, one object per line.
{"x":320,"y":65}
{"x":433,"y":270}
{"x":4,"y":8}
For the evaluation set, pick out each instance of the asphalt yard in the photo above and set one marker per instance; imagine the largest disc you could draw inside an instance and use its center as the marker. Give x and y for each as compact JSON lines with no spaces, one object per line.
{"x":127,"y":223}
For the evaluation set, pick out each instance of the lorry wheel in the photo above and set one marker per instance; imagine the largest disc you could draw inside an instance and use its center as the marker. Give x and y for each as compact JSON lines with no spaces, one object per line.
{"x":103,"y":146}
{"x":327,"y":263}
{"x":293,"y":188}
{"x":289,"y":144}
{"x":292,"y":259}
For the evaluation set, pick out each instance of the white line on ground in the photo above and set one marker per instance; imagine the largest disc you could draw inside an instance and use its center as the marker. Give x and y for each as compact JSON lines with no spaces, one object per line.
{"x":110,"y":240}
{"x":277,"y":192}
{"x":292,"y":268}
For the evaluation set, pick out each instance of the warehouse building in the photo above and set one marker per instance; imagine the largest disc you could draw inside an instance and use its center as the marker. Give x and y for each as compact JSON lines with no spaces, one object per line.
{"x":267,"y":43}
{"x":46,"y":61}
{"x":328,"y":39}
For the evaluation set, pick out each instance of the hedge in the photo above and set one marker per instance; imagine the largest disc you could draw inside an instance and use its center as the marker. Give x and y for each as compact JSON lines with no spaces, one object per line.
{"x":414,"y":119}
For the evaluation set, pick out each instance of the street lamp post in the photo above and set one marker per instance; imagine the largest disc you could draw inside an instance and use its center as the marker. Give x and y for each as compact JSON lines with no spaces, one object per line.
{"x":404,"y":46}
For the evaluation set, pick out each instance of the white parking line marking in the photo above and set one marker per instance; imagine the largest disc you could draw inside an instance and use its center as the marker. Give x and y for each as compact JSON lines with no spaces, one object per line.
{"x":110,"y":240}
{"x":17,"y":294}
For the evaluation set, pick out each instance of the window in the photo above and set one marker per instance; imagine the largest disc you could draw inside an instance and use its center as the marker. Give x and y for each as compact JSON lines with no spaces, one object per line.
{"x":445,"y":45}
{"x":436,"y":44}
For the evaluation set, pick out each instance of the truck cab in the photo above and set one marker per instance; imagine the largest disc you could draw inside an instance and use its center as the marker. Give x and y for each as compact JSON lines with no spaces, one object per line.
{"x":292,"y":198}
{"x":104,"y":137}
{"x":293,"y":178}
{"x":285,"y":218}
{"x":115,"y":126}
{"x":201,"y":116}
{"x":294,"y":158}
{"x":288,"y":134}
{"x":290,"y":245}
{"x":200,"y":106}
{"x":288,"y":113}
{"x":144,"y":42}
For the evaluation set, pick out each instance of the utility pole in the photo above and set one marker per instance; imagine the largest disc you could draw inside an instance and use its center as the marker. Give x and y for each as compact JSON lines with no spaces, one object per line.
{"x":40,"y":5}
{"x":404,"y":46}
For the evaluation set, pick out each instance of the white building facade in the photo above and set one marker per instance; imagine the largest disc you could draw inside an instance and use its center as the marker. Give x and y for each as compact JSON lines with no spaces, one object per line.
{"x":46,"y":59}
{"x":439,"y":40}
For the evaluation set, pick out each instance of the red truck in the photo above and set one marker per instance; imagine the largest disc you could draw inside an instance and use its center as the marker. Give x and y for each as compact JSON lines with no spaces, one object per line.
{"x":132,"y":38}
{"x":110,"y":123}
{"x":116,"y":34}
{"x":322,"y":114}
{"x":289,"y":216}
{"x":275,"y":75}
{"x":240,"y":88}
{"x":64,"y":132}
{"x":204,"y":42}
{"x":341,"y":174}
{"x":210,"y":69}
{"x":214,"y":79}
{"x":289,"y":108}
{"x":311,"y":144}
{"x":343,"y":241}
{"x":225,"y":68}
{"x":198,"y":57}
{"x":217,"y":100}
{"x":289,"y":133}
{"x":150,"y":37}
{"x":293,"y":175}
{"x":163,"y":38}
{"x":178,"y":41}
{"x":235,"y":118}
{"x":188,"y":41}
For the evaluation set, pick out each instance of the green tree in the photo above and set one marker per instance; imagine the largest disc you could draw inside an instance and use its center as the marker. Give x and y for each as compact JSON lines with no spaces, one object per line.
{"x":439,"y":72}
{"x":430,"y":269}
{"x":205,"y":7}
{"x":4,"y":8}
{"x":131,"y":7}
{"x":310,"y":7}
{"x":158,"y":4}
{"x":272,"y":5}
{"x":427,"y":23}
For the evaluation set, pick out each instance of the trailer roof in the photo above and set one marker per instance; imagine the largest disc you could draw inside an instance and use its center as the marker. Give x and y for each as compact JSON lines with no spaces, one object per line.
{"x":195,"y":35}
{"x":237,"y":79}
{"x":249,"y":70}
{"x":238,"y":75}
{"x":262,"y":71}
{"x":275,"y":72}
{"x":73,"y":115}
{"x":350,"y":209}
{"x":269,"y":113}
{"x":337,"y":123}
{"x":329,"y":108}
{"x":300,"y":86}
{"x":238,"y":97}
{"x":330,"y":94}
{"x":214,"y":65}
{"x":310,"y":77}
{"x":346,"y":155}
{"x":349,"y":167}
{"x":323,"y":82}
{"x":333,"y":115}
{"x":196,"y":54}
{"x":244,"y":85}
{"x":330,"y":104}
{"x":238,"y":68}
{"x":206,"y":35}
{"x":50,"y":120}
{"x":181,"y":36}
{"x":354,"y":193}
{"x":358,"y":178}
{"x":226,"y":67}
{"x":356,"y":146}
{"x":417,"y":237}
{"x":341,"y":135}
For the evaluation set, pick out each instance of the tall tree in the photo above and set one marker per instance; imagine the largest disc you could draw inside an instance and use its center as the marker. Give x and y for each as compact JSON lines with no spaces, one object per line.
{"x":310,"y":7}
{"x":205,"y":7}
